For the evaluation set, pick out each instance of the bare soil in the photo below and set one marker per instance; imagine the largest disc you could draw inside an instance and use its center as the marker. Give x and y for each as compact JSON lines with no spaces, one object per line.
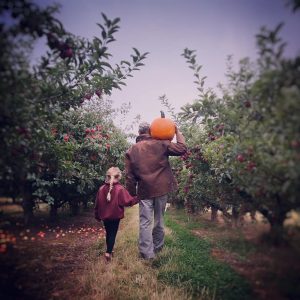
{"x":45,"y":261}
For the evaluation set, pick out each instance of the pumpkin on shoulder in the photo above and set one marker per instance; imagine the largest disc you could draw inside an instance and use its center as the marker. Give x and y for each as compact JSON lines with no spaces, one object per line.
{"x":162,"y":128}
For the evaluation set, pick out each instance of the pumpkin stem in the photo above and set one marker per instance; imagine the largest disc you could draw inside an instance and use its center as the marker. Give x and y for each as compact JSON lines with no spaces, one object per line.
{"x":162,"y":114}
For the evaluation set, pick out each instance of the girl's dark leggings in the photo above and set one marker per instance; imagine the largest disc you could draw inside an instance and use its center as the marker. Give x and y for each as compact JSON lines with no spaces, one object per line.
{"x":111,"y":228}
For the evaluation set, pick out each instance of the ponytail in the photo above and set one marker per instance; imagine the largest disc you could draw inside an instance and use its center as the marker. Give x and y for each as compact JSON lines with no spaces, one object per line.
{"x":110,"y":188}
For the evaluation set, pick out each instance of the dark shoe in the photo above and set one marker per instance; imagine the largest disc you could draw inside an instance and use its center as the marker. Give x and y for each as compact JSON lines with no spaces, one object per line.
{"x":143,"y":256}
{"x":107,"y":257}
{"x":148,"y":261}
{"x":158,"y":250}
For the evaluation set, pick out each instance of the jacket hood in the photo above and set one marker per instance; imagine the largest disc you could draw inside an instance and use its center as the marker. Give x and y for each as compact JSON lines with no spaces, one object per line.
{"x":143,"y":137}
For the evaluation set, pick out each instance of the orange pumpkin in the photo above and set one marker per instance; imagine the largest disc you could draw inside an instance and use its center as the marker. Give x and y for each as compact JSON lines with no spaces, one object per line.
{"x":162,"y":128}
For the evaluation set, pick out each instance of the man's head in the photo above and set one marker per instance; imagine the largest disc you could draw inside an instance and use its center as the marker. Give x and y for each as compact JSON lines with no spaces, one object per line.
{"x":144,"y":128}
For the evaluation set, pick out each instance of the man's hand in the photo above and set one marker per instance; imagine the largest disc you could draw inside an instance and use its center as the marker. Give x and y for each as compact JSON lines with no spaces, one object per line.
{"x":176,"y":130}
{"x":179,"y":136}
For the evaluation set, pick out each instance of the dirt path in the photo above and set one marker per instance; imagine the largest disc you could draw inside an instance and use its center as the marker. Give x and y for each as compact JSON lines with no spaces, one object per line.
{"x":64,"y":261}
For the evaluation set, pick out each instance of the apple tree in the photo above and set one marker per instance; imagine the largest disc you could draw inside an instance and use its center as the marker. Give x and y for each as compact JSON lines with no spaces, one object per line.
{"x":83,"y":144}
{"x":252,"y":131}
{"x":36,"y":96}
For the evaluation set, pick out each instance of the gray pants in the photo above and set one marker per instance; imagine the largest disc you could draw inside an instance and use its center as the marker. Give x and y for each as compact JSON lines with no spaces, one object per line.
{"x":151,"y":239}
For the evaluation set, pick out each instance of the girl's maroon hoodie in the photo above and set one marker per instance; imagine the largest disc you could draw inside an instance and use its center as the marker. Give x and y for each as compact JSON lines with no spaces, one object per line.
{"x":113,"y":209}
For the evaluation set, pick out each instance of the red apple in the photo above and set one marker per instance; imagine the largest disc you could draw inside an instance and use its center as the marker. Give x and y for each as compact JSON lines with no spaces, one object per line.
{"x":250,"y":166}
{"x":98,"y":93}
{"x":240,"y":158}
{"x":88,"y":96}
{"x":68,"y":52}
{"x":93,"y":157}
{"x":295,"y":144}
{"x":247,"y":103}
{"x":66,"y":137}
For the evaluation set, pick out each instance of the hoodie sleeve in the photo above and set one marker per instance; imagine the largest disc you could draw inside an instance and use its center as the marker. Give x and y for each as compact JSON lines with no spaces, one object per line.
{"x":125,"y":199}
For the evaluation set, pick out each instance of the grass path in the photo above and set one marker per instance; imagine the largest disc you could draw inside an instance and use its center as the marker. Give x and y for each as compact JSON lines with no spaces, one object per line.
{"x":127,"y":277}
{"x":183,"y":270}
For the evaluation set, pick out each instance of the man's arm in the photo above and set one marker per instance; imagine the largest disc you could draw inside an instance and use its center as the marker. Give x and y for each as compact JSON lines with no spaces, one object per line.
{"x":130,"y":180}
{"x":178,"y":148}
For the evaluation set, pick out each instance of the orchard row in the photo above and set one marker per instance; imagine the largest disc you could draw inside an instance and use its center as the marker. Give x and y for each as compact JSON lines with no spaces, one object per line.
{"x":245,"y":144}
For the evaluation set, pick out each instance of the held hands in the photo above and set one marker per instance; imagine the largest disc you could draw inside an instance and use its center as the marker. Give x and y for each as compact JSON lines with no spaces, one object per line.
{"x":135,"y":201}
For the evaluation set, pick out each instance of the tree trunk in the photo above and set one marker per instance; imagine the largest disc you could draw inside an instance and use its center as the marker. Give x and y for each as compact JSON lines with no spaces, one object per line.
{"x":28,"y":205}
{"x":53,"y":212}
{"x":85,"y":205}
{"x":276,"y":234}
{"x":277,"y":231}
{"x":235,"y":216}
{"x":214,"y":214}
{"x":74,"y":207}
{"x":28,"y":202}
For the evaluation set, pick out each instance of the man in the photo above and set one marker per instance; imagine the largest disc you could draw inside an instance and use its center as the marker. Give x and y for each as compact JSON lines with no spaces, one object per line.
{"x":149,"y":175}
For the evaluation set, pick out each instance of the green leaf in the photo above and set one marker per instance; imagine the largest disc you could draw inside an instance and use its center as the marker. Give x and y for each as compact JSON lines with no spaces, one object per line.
{"x":136,"y":52}
{"x":116,"y":21}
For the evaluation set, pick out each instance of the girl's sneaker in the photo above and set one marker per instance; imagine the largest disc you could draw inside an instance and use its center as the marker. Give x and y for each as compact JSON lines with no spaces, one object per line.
{"x":107,"y":257}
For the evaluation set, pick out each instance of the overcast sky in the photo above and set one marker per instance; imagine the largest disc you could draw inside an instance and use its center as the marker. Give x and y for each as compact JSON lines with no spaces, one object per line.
{"x":215,"y":28}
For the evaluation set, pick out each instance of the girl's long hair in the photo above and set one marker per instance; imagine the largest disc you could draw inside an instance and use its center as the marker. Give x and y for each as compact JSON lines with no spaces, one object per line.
{"x":113,"y":174}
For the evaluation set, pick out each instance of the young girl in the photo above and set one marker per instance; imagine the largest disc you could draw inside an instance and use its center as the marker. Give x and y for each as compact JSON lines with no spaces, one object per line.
{"x":111,"y":199}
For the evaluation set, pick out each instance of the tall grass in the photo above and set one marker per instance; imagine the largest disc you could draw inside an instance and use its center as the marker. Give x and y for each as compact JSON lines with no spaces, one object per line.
{"x":127,"y":276}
